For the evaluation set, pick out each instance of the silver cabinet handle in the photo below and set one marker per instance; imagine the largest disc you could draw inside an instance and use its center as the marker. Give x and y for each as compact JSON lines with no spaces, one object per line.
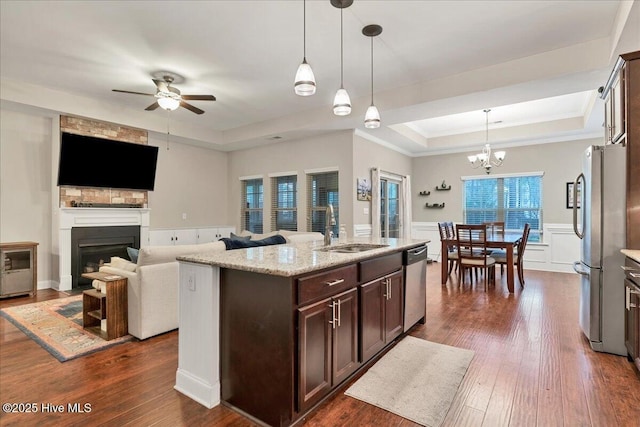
{"x":335,"y":282}
{"x":627,"y":299}
{"x":333,"y":320}
{"x":389,"y":287}
{"x":339,"y":313}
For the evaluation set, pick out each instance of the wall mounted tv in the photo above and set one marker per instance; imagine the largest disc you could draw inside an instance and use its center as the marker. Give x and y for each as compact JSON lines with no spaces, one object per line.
{"x":87,"y":161}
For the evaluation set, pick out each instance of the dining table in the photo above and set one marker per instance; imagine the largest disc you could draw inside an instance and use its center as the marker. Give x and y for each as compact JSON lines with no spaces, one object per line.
{"x":495,"y":240}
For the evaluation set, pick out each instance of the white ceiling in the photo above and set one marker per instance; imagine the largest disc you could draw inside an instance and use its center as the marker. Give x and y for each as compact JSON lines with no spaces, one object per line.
{"x":438,"y":64}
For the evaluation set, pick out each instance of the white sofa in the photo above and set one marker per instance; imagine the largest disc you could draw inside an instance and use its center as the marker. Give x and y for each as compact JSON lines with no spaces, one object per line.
{"x":153,"y":286}
{"x":154,"y":282}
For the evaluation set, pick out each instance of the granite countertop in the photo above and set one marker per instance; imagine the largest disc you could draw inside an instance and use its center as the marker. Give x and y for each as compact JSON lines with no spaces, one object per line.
{"x":296,"y":258}
{"x":634,"y":254}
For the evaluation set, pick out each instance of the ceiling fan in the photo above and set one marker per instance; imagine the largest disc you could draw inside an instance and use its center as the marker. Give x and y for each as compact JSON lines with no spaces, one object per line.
{"x":169,"y":98}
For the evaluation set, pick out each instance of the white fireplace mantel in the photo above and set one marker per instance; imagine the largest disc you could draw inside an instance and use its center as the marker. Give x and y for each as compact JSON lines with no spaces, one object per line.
{"x":95,"y":217}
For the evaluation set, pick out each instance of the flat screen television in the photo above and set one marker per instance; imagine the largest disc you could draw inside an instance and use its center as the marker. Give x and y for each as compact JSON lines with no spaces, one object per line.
{"x":87,"y":161}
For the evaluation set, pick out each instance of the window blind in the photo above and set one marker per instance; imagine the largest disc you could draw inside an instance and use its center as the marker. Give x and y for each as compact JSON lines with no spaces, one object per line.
{"x":322,"y":189}
{"x":251,"y":205}
{"x":516,"y":200}
{"x":284,"y":211}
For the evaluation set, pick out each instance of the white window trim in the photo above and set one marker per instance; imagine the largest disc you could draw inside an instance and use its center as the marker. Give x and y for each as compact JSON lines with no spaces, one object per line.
{"x":250,"y":177}
{"x":502,"y":175}
{"x":279,"y":174}
{"x":321,"y":170}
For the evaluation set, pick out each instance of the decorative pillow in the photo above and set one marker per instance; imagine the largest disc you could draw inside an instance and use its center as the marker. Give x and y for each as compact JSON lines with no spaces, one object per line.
{"x":133,"y":254}
{"x":241,"y":238}
{"x":241,"y":244}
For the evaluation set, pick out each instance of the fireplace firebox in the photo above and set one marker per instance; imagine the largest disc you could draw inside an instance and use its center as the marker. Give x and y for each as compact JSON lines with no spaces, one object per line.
{"x":93,"y":246}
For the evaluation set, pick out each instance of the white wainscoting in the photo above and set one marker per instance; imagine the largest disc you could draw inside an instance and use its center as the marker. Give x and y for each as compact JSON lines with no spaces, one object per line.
{"x":557,"y":252}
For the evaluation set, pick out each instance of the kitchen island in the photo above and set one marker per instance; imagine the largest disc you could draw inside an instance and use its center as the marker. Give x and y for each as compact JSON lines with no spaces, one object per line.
{"x":273,"y":330}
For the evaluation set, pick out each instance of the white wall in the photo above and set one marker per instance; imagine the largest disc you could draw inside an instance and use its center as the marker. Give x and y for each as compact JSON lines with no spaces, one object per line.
{"x":325,"y":151}
{"x":189,"y":180}
{"x":25,"y":184}
{"x":560,"y":162}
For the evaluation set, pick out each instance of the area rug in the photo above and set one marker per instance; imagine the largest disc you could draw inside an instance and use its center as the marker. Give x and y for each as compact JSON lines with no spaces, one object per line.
{"x":57,"y":326}
{"x":416,"y":379}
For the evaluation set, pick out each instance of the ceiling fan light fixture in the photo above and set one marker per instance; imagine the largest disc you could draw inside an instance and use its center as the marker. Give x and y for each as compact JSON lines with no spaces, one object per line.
{"x":169,"y":104}
{"x":341,"y":103}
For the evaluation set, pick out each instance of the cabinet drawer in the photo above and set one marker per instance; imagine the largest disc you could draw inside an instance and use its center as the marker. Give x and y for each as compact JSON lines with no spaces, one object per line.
{"x":378,"y":267}
{"x":326,"y":284}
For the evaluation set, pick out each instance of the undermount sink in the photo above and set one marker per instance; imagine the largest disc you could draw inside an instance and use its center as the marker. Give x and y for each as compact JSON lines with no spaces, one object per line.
{"x":351,"y":248}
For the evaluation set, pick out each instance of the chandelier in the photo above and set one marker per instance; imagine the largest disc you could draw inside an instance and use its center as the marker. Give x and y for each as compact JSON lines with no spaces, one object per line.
{"x":483,"y":159}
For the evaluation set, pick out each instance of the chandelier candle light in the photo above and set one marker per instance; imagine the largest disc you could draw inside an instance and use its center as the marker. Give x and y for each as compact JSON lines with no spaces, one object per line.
{"x":483,"y":159}
{"x":372,"y":116}
{"x":305,"y":83}
{"x":341,"y":102}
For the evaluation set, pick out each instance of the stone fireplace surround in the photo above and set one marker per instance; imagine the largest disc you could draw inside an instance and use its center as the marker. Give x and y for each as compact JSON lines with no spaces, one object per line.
{"x":94,"y":217}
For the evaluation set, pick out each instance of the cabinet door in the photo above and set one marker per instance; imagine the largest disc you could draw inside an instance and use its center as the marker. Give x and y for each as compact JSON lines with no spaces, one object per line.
{"x":632,"y":320}
{"x":314,"y":352}
{"x":617,"y":107}
{"x":161,"y":237}
{"x":345,"y":336}
{"x":207,"y":235}
{"x":188,"y":236}
{"x":225,"y":232}
{"x":372,"y":318}
{"x":394,"y":306}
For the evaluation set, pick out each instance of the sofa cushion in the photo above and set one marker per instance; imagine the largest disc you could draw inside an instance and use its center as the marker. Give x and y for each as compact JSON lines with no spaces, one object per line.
{"x":231,"y":244}
{"x":161,"y":254}
{"x":122,"y":264}
{"x":304,"y":237}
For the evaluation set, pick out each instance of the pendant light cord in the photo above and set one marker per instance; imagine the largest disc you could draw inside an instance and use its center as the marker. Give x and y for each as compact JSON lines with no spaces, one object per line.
{"x":341,"y":53}
{"x":304,"y":30}
{"x":371,"y":70}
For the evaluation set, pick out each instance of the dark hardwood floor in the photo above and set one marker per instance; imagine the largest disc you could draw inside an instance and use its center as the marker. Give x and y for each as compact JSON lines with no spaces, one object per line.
{"x":532,"y":367}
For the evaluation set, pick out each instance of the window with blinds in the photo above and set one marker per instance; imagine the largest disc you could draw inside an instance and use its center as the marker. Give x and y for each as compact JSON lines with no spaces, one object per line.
{"x":322,"y":189}
{"x":284,"y":210}
{"x":252,"y":202}
{"x":516,"y":200}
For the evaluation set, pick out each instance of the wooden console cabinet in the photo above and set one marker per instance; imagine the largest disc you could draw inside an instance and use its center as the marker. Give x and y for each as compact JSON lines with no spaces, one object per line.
{"x":18,"y":269}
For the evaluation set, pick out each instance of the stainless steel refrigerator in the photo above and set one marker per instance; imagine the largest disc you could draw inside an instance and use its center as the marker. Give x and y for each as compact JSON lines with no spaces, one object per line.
{"x":599,"y":217}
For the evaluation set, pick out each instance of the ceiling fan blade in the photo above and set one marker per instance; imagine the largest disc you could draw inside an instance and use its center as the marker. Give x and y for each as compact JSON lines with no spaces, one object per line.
{"x":191,"y":107}
{"x":199,"y":97}
{"x":152,"y":106}
{"x":162,"y":85}
{"x":135,"y":93}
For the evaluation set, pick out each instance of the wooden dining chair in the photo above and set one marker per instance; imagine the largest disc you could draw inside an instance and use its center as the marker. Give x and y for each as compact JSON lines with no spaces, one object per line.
{"x":494,"y":226}
{"x":472,"y":248}
{"x":452,"y":254}
{"x":518,"y":255}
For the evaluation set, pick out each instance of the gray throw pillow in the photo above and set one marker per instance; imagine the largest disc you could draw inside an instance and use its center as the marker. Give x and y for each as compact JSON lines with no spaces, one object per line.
{"x":239,"y":238}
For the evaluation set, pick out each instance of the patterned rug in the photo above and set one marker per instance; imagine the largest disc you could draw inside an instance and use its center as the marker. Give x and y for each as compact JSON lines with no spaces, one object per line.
{"x":57,"y":326}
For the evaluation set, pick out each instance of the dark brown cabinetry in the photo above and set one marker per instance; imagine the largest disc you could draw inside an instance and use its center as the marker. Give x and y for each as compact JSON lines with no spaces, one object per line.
{"x":288,"y":342}
{"x":632,"y":311}
{"x":382,"y":313}
{"x":327,"y":345}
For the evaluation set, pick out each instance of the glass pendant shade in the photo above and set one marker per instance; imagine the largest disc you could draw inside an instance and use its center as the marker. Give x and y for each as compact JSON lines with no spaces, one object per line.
{"x":341,"y":103}
{"x":168,"y":103}
{"x":372,"y":118}
{"x":305,"y":84}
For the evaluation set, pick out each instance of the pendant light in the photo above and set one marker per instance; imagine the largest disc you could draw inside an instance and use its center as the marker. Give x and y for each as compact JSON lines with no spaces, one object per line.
{"x":483,"y":159}
{"x":305,"y":83}
{"x":341,"y":102}
{"x":372,"y":116}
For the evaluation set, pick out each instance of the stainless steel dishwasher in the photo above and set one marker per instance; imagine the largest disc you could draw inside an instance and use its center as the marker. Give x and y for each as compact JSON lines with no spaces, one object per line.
{"x":415,"y":286}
